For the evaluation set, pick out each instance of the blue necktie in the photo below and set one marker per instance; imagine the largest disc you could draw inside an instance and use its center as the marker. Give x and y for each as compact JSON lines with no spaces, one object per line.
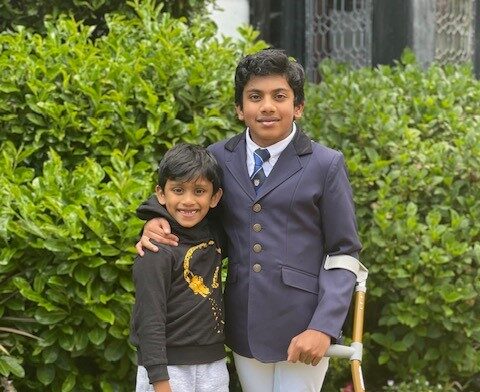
{"x":260,"y":155}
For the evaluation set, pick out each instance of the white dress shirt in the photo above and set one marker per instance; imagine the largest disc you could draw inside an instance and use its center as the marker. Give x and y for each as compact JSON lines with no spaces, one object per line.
{"x":275,"y":150}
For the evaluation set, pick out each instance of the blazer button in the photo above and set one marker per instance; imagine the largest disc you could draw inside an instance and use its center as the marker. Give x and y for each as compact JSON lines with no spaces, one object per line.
{"x":257,"y":248}
{"x":257,"y":227}
{"x":257,"y":268}
{"x":256,"y":207}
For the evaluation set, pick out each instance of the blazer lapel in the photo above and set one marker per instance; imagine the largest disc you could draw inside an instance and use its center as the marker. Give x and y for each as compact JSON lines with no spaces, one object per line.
{"x":236,"y":163}
{"x":288,"y":163}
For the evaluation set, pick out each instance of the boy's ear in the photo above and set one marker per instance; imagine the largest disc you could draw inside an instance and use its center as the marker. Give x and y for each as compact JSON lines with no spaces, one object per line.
{"x":239,"y":112}
{"x":160,"y":195}
{"x":298,"y":111}
{"x":216,"y":198}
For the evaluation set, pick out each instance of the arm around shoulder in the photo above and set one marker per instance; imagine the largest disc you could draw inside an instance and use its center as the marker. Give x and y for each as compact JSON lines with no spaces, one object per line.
{"x":157,"y":228}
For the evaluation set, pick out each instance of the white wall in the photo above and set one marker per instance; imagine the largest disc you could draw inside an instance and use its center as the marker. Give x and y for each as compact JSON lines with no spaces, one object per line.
{"x":233,"y":13}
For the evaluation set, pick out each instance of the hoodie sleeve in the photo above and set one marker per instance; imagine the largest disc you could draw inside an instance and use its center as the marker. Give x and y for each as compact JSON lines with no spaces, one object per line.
{"x":152,"y":278}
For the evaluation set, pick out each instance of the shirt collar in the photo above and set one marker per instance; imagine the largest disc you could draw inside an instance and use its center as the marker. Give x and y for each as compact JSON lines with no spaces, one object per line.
{"x":275,"y":149}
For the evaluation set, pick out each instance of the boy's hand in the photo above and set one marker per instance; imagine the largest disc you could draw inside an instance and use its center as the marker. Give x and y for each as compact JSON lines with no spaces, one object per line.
{"x":308,"y":347}
{"x":162,"y":386}
{"x":157,"y":229}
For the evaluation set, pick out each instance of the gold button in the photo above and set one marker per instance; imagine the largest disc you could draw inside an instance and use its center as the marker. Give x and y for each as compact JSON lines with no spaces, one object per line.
{"x":257,"y":227}
{"x":257,"y":248}
{"x":257,"y":267}
{"x":257,"y":207}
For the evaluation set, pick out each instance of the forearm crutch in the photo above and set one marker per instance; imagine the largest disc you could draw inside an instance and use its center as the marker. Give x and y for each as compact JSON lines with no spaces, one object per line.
{"x":353,"y":352}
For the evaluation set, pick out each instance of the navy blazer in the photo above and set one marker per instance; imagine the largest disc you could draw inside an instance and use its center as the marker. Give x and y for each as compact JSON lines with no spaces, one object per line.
{"x":277,"y":243}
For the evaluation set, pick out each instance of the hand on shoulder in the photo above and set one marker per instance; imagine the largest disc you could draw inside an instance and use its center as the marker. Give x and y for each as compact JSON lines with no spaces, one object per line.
{"x":157,"y":229}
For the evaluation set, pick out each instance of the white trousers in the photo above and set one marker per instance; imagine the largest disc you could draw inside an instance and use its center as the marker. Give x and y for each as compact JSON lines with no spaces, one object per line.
{"x":256,"y":376}
{"x":207,"y":377}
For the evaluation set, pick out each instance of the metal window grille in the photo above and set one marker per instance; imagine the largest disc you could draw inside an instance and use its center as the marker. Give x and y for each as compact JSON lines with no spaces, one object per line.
{"x":338,"y":29}
{"x":454,"y":30}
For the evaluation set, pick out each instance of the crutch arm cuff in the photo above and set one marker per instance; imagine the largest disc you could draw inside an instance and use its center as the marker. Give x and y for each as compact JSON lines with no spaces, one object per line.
{"x":349,"y":263}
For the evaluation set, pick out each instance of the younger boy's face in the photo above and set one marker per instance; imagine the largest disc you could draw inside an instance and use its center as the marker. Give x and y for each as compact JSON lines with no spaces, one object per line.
{"x":268,"y":109}
{"x":188,"y":202}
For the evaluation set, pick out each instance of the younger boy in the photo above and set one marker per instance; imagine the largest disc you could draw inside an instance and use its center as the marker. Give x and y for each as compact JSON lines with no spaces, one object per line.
{"x":288,"y":213}
{"x":177,"y":321}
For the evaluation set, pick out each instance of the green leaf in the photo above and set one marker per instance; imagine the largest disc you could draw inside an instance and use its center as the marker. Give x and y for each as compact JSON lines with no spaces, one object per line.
{"x":381,"y":339}
{"x":127,"y":284}
{"x":108,"y":273}
{"x":66,"y":342}
{"x":383,"y":358}
{"x":14,"y":365}
{"x":50,"y":355}
{"x":94,"y":262}
{"x":46,"y":374}
{"x":115,"y":350}
{"x":56,"y":245}
{"x":83,"y":275}
{"x":409,"y":339}
{"x":451,"y":294}
{"x":35,"y":119}
{"x":399,"y":346}
{"x":432,"y":354}
{"x":4,"y":367}
{"x":45,"y":317}
{"x":69,"y":383}
{"x":408,"y":319}
{"x":30,"y":294}
{"x":81,"y":340}
{"x":106,"y":386}
{"x":108,"y":250}
{"x":103,"y":314}
{"x":8,"y":88}
{"x":97,"y":336}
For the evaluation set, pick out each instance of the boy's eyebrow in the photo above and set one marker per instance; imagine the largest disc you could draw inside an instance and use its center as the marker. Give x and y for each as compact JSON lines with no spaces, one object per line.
{"x":194,"y":180}
{"x":276,"y":90}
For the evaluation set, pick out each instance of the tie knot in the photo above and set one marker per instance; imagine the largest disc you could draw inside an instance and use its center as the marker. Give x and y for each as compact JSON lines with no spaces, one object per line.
{"x":262,"y":153}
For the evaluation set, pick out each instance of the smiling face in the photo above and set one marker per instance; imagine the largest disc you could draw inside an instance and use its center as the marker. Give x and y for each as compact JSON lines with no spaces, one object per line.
{"x":188,"y":202}
{"x":268,"y":109}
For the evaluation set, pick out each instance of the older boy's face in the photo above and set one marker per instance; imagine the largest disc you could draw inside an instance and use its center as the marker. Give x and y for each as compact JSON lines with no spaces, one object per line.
{"x":268,"y":109}
{"x":188,"y":202}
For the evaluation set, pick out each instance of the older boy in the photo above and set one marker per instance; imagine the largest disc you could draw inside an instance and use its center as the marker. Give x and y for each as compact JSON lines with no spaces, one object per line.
{"x":287,"y":208}
{"x":177,"y":322}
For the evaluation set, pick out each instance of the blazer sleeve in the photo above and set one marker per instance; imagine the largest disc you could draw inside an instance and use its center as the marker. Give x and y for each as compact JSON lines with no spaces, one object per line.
{"x":152,"y":278}
{"x":341,"y":238}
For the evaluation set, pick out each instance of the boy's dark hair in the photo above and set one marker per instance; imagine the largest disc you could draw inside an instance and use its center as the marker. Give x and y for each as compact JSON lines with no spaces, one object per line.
{"x":269,"y":62}
{"x":186,"y":162}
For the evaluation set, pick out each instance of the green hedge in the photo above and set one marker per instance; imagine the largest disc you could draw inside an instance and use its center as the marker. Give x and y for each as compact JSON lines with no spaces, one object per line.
{"x":412,"y":143}
{"x":66,"y":261}
{"x":83,"y":125}
{"x":31,"y":13}
{"x":152,"y":81}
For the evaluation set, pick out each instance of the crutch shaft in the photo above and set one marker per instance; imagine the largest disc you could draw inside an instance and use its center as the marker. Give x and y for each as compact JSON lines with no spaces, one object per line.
{"x":358,"y":316}
{"x":358,"y":319}
{"x":357,"y":376}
